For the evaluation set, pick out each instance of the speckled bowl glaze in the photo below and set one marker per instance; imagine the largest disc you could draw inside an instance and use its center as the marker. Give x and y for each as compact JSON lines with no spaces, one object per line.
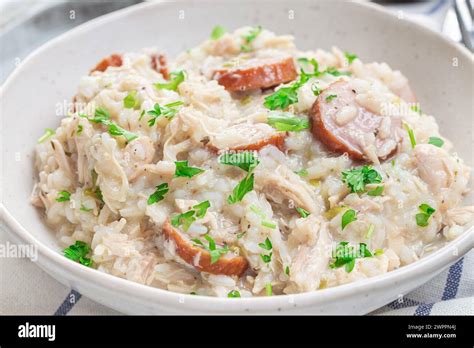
{"x":439,"y":70}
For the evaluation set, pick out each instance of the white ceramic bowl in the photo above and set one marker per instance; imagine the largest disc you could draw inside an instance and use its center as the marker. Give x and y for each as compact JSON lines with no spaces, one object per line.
{"x":439,"y":71}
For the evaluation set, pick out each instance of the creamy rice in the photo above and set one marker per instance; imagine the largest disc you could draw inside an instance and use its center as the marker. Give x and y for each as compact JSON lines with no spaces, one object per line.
{"x":110,"y":180}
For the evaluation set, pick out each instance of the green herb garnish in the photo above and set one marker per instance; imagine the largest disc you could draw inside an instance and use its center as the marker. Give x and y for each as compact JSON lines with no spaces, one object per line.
{"x":48,"y":132}
{"x":131,"y":101}
{"x":357,"y":178}
{"x":350,"y":57}
{"x":251,"y":36}
{"x":286,"y":122}
{"x":244,"y":160}
{"x":423,"y":217}
{"x":304,"y":213}
{"x":242,"y":188}
{"x":376,"y":191}
{"x":102,"y":116}
{"x":80,"y":128}
{"x":168,"y":111}
{"x":183,"y":170}
{"x":233,"y":294}
{"x":268,"y":289}
{"x":215,"y":252}
{"x":436,"y":141}
{"x":331,"y":97}
{"x":176,"y":77}
{"x":217,"y":32}
{"x":198,"y":211}
{"x":78,"y":252}
{"x":411,"y":135}
{"x":267,"y":245}
{"x":63,"y":196}
{"x":84,"y":208}
{"x":349,"y":216}
{"x":159,"y":194}
{"x":346,"y":255}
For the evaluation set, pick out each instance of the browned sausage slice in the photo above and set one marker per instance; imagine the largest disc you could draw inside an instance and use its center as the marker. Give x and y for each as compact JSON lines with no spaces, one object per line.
{"x":247,"y":137}
{"x":344,"y":126}
{"x":159,"y":64}
{"x":201,"y":259}
{"x":256,"y":72}
{"x":112,"y":60}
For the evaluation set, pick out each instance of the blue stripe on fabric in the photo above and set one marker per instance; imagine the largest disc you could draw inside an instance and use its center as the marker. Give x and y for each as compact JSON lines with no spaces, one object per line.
{"x":68,"y":303}
{"x":424,"y":309}
{"x":407,"y":302}
{"x":452,"y":282}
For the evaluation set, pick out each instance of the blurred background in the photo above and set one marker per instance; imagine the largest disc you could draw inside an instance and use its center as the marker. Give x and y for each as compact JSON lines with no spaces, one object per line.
{"x":27,"y":24}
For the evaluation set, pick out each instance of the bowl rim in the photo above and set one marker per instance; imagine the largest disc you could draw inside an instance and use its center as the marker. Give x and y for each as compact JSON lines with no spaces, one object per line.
{"x":426,"y":265}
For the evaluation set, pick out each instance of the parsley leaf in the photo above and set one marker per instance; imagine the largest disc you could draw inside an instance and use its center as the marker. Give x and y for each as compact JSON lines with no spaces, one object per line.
{"x":376,"y":191}
{"x":304,"y":213}
{"x":423,"y":217}
{"x":349,"y":216}
{"x":176,"y":77}
{"x":411,"y":135}
{"x":345,"y":255}
{"x":267,"y":245}
{"x":436,"y":141}
{"x":357,"y":178}
{"x":350,"y":57}
{"x":159,"y":194}
{"x":131,"y":101}
{"x":198,"y":211}
{"x":287,"y":270}
{"x":167,"y":110}
{"x":80,"y":128}
{"x":48,"y":132}
{"x":331,"y":97}
{"x":217,"y":32}
{"x":183,"y":170}
{"x":282,"y":98}
{"x":215,"y":252}
{"x":286,"y":122}
{"x":84,"y":208}
{"x":268,"y":289}
{"x":242,"y":188}
{"x":251,"y":36}
{"x":102,"y":116}
{"x":245,"y":160}
{"x":78,"y":252}
{"x":416,"y":108}
{"x":63,"y":196}
{"x":233,"y":294}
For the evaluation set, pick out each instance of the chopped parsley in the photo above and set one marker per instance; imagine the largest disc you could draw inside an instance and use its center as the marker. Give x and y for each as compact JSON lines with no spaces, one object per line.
{"x":350,"y":57}
{"x":331,"y":97}
{"x":436,"y":141}
{"x":78,"y":252}
{"x":416,"y":108}
{"x":304,"y":213}
{"x":349,"y":216}
{"x":411,"y":135}
{"x":316,"y":90}
{"x":63,"y":196}
{"x":80,"y":128}
{"x":302,"y":172}
{"x":376,"y":191}
{"x":217,"y":32}
{"x":244,"y":160}
{"x":242,"y":188}
{"x":370,"y":231}
{"x":267,"y":245}
{"x":268,"y":289}
{"x":131,"y":101}
{"x":159,"y":194}
{"x":425,"y":212}
{"x":215,"y":252}
{"x":357,"y":178}
{"x":282,"y":98}
{"x":176,"y":77}
{"x":167,"y":110}
{"x":287,"y":270}
{"x":183,"y":170}
{"x":102,"y":116}
{"x":286,"y":122}
{"x":84,"y":208}
{"x":346,"y":255}
{"x":251,"y":36}
{"x":48,"y":132}
{"x":233,"y":294}
{"x":198,"y":211}
{"x":269,"y":224}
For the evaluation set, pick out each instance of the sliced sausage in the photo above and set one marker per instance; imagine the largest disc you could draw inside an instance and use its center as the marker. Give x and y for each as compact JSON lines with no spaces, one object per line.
{"x":344,"y":126}
{"x":245,"y":136}
{"x":256,"y":72}
{"x":200,"y":258}
{"x":159,"y":64}
{"x":112,"y":60}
